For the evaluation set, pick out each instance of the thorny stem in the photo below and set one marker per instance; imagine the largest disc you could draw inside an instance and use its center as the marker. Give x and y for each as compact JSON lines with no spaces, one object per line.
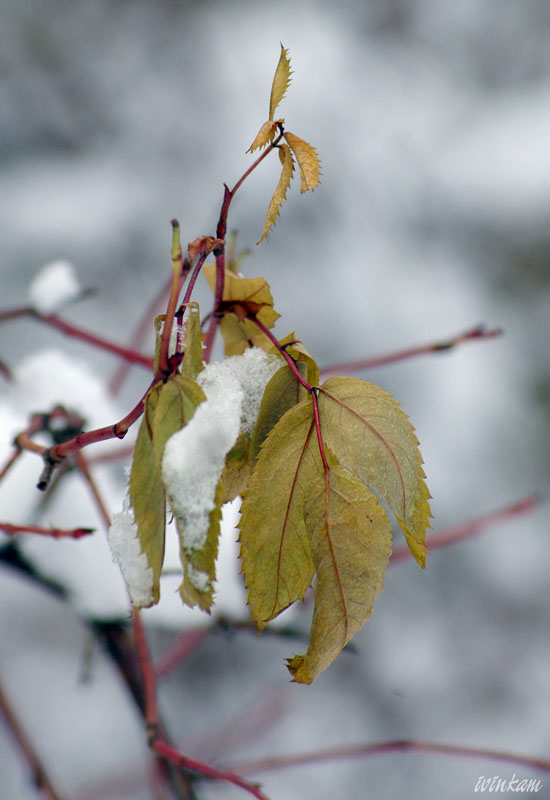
{"x":479,"y":332}
{"x":74,"y":332}
{"x":404,"y":745}
{"x":464,"y":530}
{"x":55,"y":533}
{"x":40,"y":776}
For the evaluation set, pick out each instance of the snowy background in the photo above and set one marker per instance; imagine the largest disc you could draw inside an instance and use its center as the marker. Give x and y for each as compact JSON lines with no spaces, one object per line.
{"x":432,"y":121}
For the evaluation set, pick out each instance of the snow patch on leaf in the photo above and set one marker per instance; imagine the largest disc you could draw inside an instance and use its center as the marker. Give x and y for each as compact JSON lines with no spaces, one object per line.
{"x":126,"y":549}
{"x":55,"y":285}
{"x":194,"y":457}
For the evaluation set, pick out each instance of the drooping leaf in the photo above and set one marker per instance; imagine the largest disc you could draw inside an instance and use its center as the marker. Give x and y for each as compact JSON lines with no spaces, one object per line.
{"x":308,"y":161}
{"x":281,"y":81}
{"x":279,"y":195}
{"x":244,"y":295}
{"x":147,"y":495}
{"x":192,"y":362}
{"x":176,"y":402}
{"x":350,"y":547}
{"x":275,"y":547}
{"x":237,"y":469}
{"x":199,"y":565}
{"x":240,"y":334}
{"x":370,"y":434}
{"x":281,"y":393}
{"x":265,"y":134}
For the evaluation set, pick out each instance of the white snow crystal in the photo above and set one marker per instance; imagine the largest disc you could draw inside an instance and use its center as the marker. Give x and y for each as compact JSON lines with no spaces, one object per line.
{"x":194,"y":456}
{"x":126,"y":549}
{"x":53,"y":287}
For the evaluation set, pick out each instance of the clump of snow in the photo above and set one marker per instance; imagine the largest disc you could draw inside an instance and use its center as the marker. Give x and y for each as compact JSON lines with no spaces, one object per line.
{"x":53,"y":287}
{"x":126,"y":549}
{"x":200,"y":580}
{"x":194,"y":456}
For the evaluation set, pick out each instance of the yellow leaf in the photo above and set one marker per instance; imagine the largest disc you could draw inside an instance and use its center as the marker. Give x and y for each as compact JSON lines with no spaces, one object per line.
{"x":301,"y":355}
{"x":265,"y":134}
{"x":370,"y":434}
{"x":280,"y":192}
{"x":275,"y":548}
{"x":147,"y":494}
{"x":308,"y":161}
{"x":240,"y":334}
{"x":244,"y":295}
{"x":281,"y":81}
{"x":236,"y":471}
{"x":350,"y":547}
{"x":192,"y":362}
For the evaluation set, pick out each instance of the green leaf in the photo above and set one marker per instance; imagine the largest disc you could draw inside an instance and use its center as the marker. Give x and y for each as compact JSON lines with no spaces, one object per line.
{"x":301,"y":355}
{"x":275,"y":548}
{"x":175,"y":405}
{"x":147,"y":495}
{"x":192,"y":362}
{"x":370,"y":434}
{"x":350,"y":547}
{"x":281,"y":393}
{"x":281,"y":189}
{"x":281,"y":81}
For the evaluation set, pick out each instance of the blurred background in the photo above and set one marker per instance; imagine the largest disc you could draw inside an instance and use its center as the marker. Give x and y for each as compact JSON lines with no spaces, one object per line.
{"x":432,"y":121}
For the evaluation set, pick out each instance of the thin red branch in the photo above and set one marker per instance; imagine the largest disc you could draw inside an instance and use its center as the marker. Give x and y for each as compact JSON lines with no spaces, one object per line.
{"x":479,"y":332}
{"x":10,"y":462}
{"x":317,"y":419}
{"x":84,"y":469}
{"x":165,"y":751}
{"x":150,"y":691}
{"x":40,"y":777}
{"x":75,"y":332}
{"x":54,"y":533}
{"x":404,"y":745}
{"x":294,"y":369}
{"x":464,"y":530}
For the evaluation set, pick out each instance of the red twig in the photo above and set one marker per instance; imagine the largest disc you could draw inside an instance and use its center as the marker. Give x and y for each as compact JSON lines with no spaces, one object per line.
{"x":165,"y":751}
{"x":150,"y":691}
{"x":464,"y":530}
{"x":405,"y":745}
{"x":479,"y":332}
{"x":10,"y":462}
{"x":82,"y":464}
{"x":55,"y":533}
{"x":78,"y":333}
{"x":318,"y":430}
{"x":40,"y":776}
{"x":178,"y":650}
{"x":307,"y":386}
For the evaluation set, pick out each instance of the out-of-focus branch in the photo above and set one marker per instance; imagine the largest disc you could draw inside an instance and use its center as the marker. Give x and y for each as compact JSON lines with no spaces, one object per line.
{"x":40,"y":777}
{"x":479,"y":332}
{"x":75,"y":332}
{"x":54,"y":533}
{"x":464,"y":530}
{"x":402,"y":745}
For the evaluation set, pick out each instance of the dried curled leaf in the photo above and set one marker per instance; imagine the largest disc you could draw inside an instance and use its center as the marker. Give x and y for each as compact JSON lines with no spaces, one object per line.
{"x":265,"y":134}
{"x":280,"y":192}
{"x":204,"y":245}
{"x":350,"y":547}
{"x":281,"y":81}
{"x":308,"y":161}
{"x":370,"y":434}
{"x":244,"y":295}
